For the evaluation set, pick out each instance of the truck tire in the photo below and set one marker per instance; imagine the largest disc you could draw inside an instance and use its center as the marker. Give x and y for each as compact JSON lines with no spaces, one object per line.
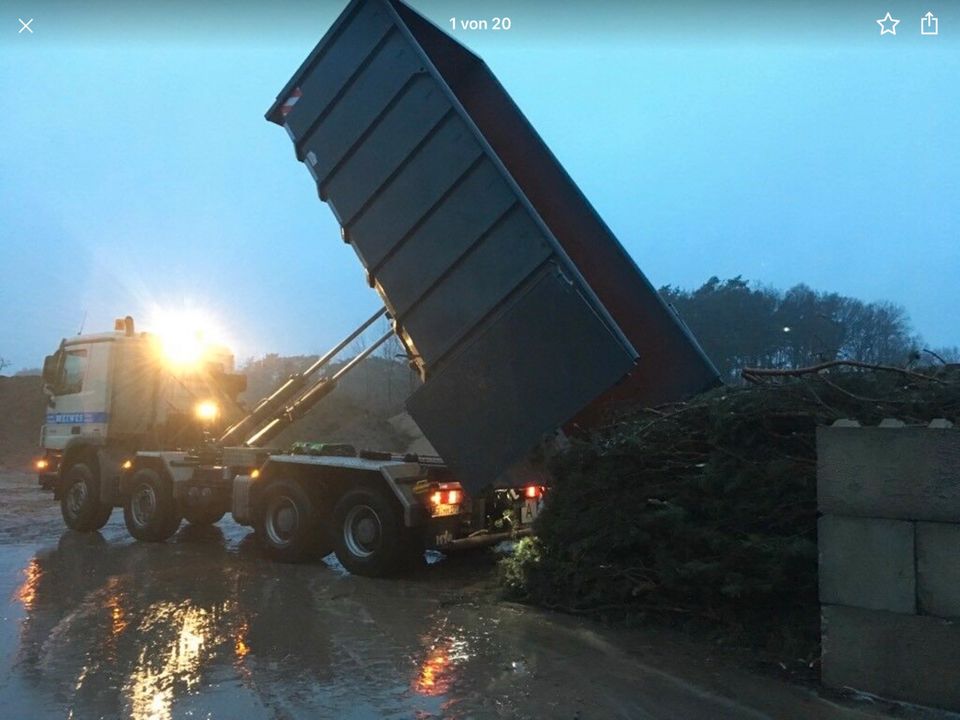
{"x":289,"y":527}
{"x":150,"y":511}
{"x":80,"y":499}
{"x":369,"y":537}
{"x":203,"y":516}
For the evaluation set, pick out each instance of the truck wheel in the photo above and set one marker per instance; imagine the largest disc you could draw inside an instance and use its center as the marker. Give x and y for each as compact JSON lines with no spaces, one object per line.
{"x":203,"y":516}
{"x":80,"y":499}
{"x":370,"y":538}
{"x":150,"y":511}
{"x":288,"y":526}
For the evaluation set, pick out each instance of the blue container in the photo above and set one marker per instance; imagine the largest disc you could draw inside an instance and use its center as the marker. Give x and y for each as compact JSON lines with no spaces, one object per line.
{"x":520,"y":308}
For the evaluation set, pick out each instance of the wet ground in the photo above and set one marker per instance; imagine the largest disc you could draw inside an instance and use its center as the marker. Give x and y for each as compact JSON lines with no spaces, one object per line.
{"x":97,"y":625}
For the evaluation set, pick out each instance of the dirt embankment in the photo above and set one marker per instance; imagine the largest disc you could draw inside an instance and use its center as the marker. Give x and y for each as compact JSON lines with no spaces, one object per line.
{"x":22,"y":408}
{"x":365,"y":410}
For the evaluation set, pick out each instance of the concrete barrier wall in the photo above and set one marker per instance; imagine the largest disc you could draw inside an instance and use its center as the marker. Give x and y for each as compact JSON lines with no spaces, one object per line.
{"x":889,"y":537}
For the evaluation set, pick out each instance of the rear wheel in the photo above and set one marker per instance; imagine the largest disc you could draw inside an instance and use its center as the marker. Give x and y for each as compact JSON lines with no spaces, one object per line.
{"x":369,"y":537}
{"x":80,"y":499}
{"x":289,"y":527}
{"x":150,"y":511}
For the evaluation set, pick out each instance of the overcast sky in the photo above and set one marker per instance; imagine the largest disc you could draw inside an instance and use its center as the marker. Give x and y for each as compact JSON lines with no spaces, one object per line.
{"x":790,"y":145}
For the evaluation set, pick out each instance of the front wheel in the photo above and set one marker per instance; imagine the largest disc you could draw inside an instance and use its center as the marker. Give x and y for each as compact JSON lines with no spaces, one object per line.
{"x":80,"y":499}
{"x":150,"y":511}
{"x":369,"y":537}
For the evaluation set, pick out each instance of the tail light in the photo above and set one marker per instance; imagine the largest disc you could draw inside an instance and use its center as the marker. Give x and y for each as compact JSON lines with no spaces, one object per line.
{"x":446,"y":497}
{"x":533,"y":492}
{"x":445,"y":500}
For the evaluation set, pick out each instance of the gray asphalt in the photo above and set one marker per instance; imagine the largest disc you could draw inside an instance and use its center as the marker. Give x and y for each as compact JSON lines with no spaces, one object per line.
{"x":97,"y":625}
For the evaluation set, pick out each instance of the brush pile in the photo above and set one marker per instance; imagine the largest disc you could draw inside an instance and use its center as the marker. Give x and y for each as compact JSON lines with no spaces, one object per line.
{"x":705,"y":512}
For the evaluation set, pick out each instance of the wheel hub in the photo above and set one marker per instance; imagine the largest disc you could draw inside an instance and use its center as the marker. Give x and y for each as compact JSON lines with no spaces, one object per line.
{"x":144,"y":505}
{"x":286,"y":520}
{"x":366,"y":530}
{"x":362,"y":530}
{"x":282,"y":521}
{"x":76,"y":497}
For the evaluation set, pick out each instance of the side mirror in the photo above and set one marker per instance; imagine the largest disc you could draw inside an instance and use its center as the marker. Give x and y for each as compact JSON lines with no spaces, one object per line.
{"x":50,"y":363}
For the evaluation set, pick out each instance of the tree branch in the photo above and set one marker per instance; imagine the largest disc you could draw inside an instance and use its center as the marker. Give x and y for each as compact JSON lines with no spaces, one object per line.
{"x":755,"y":375}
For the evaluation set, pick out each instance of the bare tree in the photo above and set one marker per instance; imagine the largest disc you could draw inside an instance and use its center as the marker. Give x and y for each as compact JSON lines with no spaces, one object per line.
{"x":392,"y":349}
{"x":744,"y":324}
{"x":357,"y":346}
{"x":945,"y":355}
{"x":4,"y":363}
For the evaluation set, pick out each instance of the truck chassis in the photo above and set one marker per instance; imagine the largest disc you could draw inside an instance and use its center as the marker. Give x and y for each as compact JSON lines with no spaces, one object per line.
{"x":376,"y":511}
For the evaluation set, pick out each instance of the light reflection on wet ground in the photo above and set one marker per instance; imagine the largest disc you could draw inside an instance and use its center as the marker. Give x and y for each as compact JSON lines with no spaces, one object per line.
{"x":97,"y":625}
{"x":107,"y":626}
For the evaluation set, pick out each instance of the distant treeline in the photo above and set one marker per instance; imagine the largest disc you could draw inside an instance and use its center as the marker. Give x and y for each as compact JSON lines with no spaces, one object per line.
{"x":740,"y":324}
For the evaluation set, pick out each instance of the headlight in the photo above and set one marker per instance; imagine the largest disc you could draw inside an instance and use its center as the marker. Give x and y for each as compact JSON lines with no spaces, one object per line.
{"x":185,"y":338}
{"x":207,"y":411}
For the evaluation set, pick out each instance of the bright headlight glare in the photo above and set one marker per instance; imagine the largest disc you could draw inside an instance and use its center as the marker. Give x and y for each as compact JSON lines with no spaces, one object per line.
{"x":185,"y":337}
{"x":207,"y":410}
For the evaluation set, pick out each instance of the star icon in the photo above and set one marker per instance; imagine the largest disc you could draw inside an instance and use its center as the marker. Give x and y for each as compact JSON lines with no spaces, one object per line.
{"x":888,"y":25}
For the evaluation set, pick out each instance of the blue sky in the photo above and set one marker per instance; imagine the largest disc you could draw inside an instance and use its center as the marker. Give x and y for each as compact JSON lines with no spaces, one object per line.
{"x":792,"y":144}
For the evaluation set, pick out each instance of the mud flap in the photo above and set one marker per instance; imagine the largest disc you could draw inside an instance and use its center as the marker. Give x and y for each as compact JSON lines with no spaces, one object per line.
{"x":109,"y":477}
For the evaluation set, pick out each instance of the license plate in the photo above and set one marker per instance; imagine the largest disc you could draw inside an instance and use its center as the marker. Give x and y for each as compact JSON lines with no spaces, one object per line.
{"x":529,"y":511}
{"x":444,"y":510}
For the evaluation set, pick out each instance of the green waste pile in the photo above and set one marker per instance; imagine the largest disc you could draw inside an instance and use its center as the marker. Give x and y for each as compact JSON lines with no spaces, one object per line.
{"x":705,"y":512}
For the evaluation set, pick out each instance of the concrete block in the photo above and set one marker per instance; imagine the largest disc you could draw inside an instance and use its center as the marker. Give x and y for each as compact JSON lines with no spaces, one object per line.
{"x":891,"y":423}
{"x":909,"y":473}
{"x":845,"y":422}
{"x":938,"y":569}
{"x":867,"y":563}
{"x":907,"y":657}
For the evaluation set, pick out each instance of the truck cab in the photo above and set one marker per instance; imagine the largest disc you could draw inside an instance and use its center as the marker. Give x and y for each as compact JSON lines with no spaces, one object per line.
{"x":115,"y":393}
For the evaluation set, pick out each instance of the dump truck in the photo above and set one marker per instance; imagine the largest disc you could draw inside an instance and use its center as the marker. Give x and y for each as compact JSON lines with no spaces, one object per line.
{"x":520,"y":310}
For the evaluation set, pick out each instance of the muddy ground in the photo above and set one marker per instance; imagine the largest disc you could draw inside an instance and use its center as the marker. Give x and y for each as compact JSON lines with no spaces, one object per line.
{"x":98,"y":625}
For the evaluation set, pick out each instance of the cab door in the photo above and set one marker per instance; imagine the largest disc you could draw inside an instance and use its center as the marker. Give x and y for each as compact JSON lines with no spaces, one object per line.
{"x":79,"y":402}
